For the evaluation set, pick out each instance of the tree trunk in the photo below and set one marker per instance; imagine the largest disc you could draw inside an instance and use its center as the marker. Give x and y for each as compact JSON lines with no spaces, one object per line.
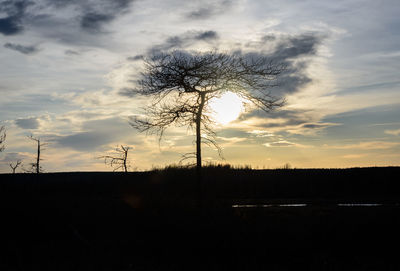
{"x":198,"y":150}
{"x":38,"y":158}
{"x":198,"y":131}
{"x":125,"y":157}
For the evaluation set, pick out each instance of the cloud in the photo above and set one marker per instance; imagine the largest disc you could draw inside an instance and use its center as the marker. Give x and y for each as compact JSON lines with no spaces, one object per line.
{"x":15,"y":11}
{"x":294,"y":52}
{"x":84,"y":141}
{"x":209,"y":10}
{"x":135,"y":58}
{"x":353,"y":156}
{"x":293,"y":116}
{"x":93,"y":22}
{"x":280,"y":143}
{"x":71,"y":53}
{"x":393,"y":132}
{"x":95,"y":16}
{"x":294,"y":121}
{"x":311,"y":128}
{"x":185,"y":40}
{"x":13,"y":157}
{"x":261,"y":133}
{"x":207,"y":35}
{"x":28,"y":123}
{"x":95,"y":134}
{"x":128,"y":92}
{"x":370,"y":145}
{"x":296,"y":46}
{"x":26,"y":50}
{"x":90,"y":16}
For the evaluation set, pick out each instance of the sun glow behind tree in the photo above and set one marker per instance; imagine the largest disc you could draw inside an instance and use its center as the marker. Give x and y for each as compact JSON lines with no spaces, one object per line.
{"x":226,"y":108}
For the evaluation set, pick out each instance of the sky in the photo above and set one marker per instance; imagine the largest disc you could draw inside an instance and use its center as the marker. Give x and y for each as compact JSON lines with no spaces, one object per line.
{"x":68,"y":66}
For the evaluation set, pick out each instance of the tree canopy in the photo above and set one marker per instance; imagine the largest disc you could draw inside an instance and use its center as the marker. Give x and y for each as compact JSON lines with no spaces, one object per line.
{"x":182,"y":84}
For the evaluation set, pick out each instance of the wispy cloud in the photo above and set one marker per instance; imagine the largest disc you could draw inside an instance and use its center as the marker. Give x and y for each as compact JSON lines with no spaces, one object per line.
{"x":370,"y":145}
{"x":283,"y":143}
{"x":261,"y":133}
{"x":208,"y":10}
{"x":393,"y":132}
{"x":135,"y":58}
{"x":353,"y":156}
{"x":71,"y":52}
{"x":23,"y":49}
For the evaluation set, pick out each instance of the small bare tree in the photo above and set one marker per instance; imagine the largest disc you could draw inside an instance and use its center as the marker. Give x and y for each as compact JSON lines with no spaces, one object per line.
{"x":120,"y":161}
{"x":14,"y":167}
{"x":2,"y":138}
{"x":35,"y":167}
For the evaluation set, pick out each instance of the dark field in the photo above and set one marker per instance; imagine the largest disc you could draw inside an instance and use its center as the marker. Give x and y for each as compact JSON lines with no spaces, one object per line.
{"x":151,"y":220}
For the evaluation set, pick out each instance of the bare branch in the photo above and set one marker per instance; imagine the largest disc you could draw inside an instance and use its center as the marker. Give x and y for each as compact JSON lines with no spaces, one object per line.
{"x":2,"y":138}
{"x":118,"y":162}
{"x":14,"y":167}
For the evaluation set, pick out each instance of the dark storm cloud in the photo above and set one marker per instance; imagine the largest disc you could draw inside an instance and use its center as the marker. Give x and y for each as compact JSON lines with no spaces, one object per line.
{"x":207,"y":35}
{"x":296,"y":46}
{"x":10,"y":25}
{"x":15,"y":11}
{"x":293,"y":53}
{"x":28,"y":123}
{"x":209,"y":10}
{"x":91,"y":16}
{"x":26,"y":50}
{"x":298,"y":119}
{"x":184,"y":40}
{"x":93,"y":22}
{"x":95,"y":15}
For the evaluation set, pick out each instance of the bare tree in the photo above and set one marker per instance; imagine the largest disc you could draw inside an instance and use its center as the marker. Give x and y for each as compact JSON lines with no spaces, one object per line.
{"x":120,"y":161}
{"x":14,"y":167}
{"x":182,"y":85}
{"x":2,"y":138}
{"x":35,"y":167}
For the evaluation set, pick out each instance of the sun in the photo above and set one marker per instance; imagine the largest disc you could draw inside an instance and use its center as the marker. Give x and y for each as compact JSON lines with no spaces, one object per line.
{"x":226,"y":108}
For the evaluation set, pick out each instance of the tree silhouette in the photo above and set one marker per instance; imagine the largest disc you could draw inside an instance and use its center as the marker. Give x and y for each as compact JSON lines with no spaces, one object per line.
{"x":118,"y":162}
{"x":182,"y":84}
{"x":14,"y":167}
{"x":35,"y":167}
{"x":2,"y":138}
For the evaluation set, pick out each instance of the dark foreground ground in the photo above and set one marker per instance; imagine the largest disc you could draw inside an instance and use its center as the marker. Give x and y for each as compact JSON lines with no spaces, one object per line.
{"x":149,"y":221}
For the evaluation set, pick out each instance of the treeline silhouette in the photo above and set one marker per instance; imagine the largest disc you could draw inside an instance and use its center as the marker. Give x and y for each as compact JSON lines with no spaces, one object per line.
{"x":223,"y":185}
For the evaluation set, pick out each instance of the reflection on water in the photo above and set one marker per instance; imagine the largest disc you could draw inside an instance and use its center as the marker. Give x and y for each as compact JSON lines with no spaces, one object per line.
{"x":358,"y":204}
{"x":293,"y":205}
{"x":268,"y":205}
{"x":308,"y":205}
